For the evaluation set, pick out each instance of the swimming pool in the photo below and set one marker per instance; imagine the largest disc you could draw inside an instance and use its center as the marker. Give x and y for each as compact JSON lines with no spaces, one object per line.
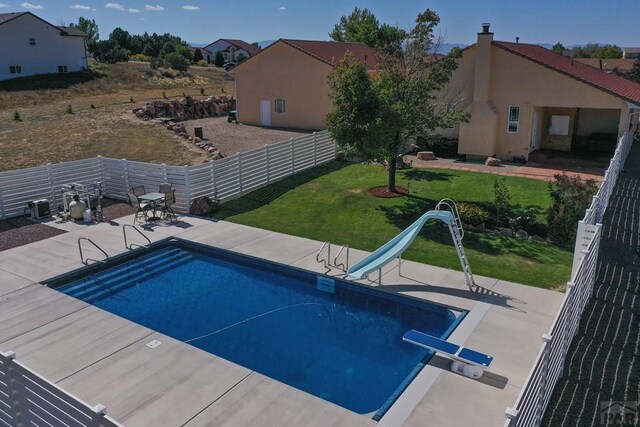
{"x":336,"y":340}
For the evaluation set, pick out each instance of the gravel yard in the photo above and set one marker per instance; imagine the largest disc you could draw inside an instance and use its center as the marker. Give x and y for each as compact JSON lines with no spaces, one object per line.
{"x":231,"y":138}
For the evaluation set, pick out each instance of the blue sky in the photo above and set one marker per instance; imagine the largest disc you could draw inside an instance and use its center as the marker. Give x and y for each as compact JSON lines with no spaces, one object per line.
{"x":203,"y":21}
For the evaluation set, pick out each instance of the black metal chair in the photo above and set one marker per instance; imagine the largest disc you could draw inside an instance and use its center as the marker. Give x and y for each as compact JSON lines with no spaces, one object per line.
{"x":165,"y":207}
{"x":138,"y":190}
{"x":165,"y":187}
{"x":141,"y":208}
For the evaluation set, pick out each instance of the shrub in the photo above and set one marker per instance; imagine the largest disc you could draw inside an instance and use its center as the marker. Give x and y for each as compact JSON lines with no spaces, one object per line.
{"x":93,"y":106}
{"x":570,"y":196}
{"x":441,"y":146}
{"x":176,"y":61}
{"x":131,"y":100}
{"x":219,"y":60}
{"x":202,"y":91}
{"x":528,"y":223}
{"x":472,"y":214}
{"x":164,"y":94}
{"x":202,"y":63}
{"x":69,"y":109}
{"x":16,"y":116}
{"x":197,"y":57}
{"x":501,"y":196}
{"x":140,"y":57}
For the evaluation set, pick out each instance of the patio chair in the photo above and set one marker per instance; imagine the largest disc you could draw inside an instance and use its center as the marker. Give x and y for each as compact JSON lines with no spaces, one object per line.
{"x":165,"y":187}
{"x":141,"y":208}
{"x":165,"y":207}
{"x":138,"y":190}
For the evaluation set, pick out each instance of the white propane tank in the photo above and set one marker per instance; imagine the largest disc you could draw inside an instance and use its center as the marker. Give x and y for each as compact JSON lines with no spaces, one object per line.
{"x":77,"y":208}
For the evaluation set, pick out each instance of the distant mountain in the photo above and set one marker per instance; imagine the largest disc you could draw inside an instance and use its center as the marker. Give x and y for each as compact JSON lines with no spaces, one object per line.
{"x":197,"y":44}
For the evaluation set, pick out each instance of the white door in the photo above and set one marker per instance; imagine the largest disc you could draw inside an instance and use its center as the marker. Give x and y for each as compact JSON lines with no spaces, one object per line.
{"x":534,"y":133}
{"x":265,"y":113}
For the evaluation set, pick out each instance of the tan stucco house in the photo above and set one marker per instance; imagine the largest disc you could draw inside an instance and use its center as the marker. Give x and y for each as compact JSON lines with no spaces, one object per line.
{"x":286,"y":84}
{"x":523,"y":97}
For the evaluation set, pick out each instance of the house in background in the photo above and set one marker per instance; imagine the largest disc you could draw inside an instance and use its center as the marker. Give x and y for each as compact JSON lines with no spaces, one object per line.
{"x":523,"y":97}
{"x":631,"y":52}
{"x":30,"y":45}
{"x":286,"y":84}
{"x":232,"y":50}
{"x":608,"y":65}
{"x":207,"y":56}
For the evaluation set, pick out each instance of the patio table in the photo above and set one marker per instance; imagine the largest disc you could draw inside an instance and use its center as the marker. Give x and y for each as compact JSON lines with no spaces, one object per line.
{"x":153,"y":200}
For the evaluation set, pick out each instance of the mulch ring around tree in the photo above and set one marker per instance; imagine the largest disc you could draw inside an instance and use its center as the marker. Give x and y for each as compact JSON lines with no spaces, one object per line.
{"x":383,"y":191}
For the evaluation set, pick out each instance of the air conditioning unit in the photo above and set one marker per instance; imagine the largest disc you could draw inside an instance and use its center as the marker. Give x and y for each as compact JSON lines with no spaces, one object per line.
{"x":40,"y":209}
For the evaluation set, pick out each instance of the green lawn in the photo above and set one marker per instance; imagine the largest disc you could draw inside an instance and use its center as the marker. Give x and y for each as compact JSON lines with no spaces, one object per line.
{"x":331,"y":203}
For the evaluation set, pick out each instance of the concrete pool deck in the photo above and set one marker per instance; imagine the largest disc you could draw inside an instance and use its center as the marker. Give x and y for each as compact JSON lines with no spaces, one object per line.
{"x":102,"y":358}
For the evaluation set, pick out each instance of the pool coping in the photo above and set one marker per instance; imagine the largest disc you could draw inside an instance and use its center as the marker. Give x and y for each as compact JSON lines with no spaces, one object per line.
{"x":428,"y":390}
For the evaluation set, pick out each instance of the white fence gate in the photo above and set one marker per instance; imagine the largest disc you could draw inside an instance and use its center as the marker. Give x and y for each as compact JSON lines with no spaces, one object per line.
{"x":535,"y":394}
{"x":26,"y":398}
{"x":222,"y":179}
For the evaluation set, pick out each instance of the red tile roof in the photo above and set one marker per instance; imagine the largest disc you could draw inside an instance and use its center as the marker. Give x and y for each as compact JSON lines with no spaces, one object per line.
{"x":610,"y":83}
{"x":244,"y":45}
{"x":332,"y":52}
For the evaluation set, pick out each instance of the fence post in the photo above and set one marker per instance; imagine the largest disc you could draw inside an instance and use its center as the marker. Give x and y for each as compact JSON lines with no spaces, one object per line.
{"x":125,"y":173}
{"x":14,"y":395}
{"x":51,"y":184}
{"x":213,"y":180}
{"x":99,"y":412}
{"x":292,"y":148}
{"x":315,"y":149}
{"x":544,"y":372}
{"x":267,"y":163}
{"x":512,"y":415}
{"x":2,"y":214}
{"x":239,"y":157}
{"x":164,"y":172}
{"x":187,"y":189}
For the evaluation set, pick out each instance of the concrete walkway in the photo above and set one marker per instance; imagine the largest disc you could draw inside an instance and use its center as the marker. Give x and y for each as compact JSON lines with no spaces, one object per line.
{"x":103,"y":358}
{"x":603,"y":362}
{"x":530,"y":170}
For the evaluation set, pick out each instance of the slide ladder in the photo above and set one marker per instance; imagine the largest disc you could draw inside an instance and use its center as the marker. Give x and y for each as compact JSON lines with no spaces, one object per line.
{"x":446,"y":211}
{"x":457,"y":233}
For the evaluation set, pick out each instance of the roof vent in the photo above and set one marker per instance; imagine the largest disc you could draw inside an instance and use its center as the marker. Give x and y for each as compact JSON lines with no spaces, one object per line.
{"x":485,"y":27}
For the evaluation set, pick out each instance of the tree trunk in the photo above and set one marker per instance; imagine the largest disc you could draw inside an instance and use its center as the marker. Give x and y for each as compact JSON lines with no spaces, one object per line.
{"x":392,"y":174}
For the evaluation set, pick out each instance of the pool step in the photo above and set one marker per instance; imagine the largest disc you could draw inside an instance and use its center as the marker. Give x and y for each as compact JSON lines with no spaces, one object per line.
{"x":95,"y":288}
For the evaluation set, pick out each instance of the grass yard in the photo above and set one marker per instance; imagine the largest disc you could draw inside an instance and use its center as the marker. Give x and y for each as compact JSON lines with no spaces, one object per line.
{"x":331,"y":203}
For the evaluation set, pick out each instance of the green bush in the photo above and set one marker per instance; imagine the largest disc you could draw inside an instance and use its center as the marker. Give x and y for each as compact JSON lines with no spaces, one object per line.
{"x":472,"y":214}
{"x":16,"y":116}
{"x":176,"y":61}
{"x":441,"y":146}
{"x":219,"y":60}
{"x":140,"y":57}
{"x":501,"y":197}
{"x":69,"y":109}
{"x":528,"y":223}
{"x":202,"y":63}
{"x":570,"y":196}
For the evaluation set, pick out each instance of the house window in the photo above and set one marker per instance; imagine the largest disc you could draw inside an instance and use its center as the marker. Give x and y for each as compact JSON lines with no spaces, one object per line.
{"x":514,"y":119}
{"x":32,"y":41}
{"x":63,"y":69}
{"x":279,"y":105}
{"x":15,"y":69}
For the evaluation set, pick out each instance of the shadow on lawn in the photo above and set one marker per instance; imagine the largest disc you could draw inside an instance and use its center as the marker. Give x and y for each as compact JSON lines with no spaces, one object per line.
{"x":427,"y":175}
{"x":265,"y":195}
{"x":488,"y":243}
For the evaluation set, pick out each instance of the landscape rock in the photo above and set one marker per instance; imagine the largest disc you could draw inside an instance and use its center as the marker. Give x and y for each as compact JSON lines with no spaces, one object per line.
{"x":492,"y":161}
{"x":507,"y":232}
{"x":187,"y":108}
{"x":521,"y":234}
{"x":203,"y":206}
{"x":426,"y":155}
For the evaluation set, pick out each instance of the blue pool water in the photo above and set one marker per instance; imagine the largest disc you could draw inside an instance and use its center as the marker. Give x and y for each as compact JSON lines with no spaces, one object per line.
{"x":345,"y":347}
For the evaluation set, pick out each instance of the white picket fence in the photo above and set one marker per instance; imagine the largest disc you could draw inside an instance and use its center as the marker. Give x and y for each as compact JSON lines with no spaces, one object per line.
{"x":26,"y":398}
{"x":222,"y":179}
{"x":535,"y":394}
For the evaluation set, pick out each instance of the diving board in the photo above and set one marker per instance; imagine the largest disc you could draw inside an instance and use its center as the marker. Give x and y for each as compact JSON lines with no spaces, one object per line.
{"x":465,"y":361}
{"x":446,"y":212}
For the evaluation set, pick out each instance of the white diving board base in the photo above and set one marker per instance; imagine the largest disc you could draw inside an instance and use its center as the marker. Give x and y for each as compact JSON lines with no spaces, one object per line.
{"x":464,"y":361}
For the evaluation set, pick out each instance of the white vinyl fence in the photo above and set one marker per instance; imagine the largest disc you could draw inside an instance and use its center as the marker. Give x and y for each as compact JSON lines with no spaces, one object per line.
{"x":220,"y":180}
{"x":26,"y":398}
{"x":535,"y":394}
